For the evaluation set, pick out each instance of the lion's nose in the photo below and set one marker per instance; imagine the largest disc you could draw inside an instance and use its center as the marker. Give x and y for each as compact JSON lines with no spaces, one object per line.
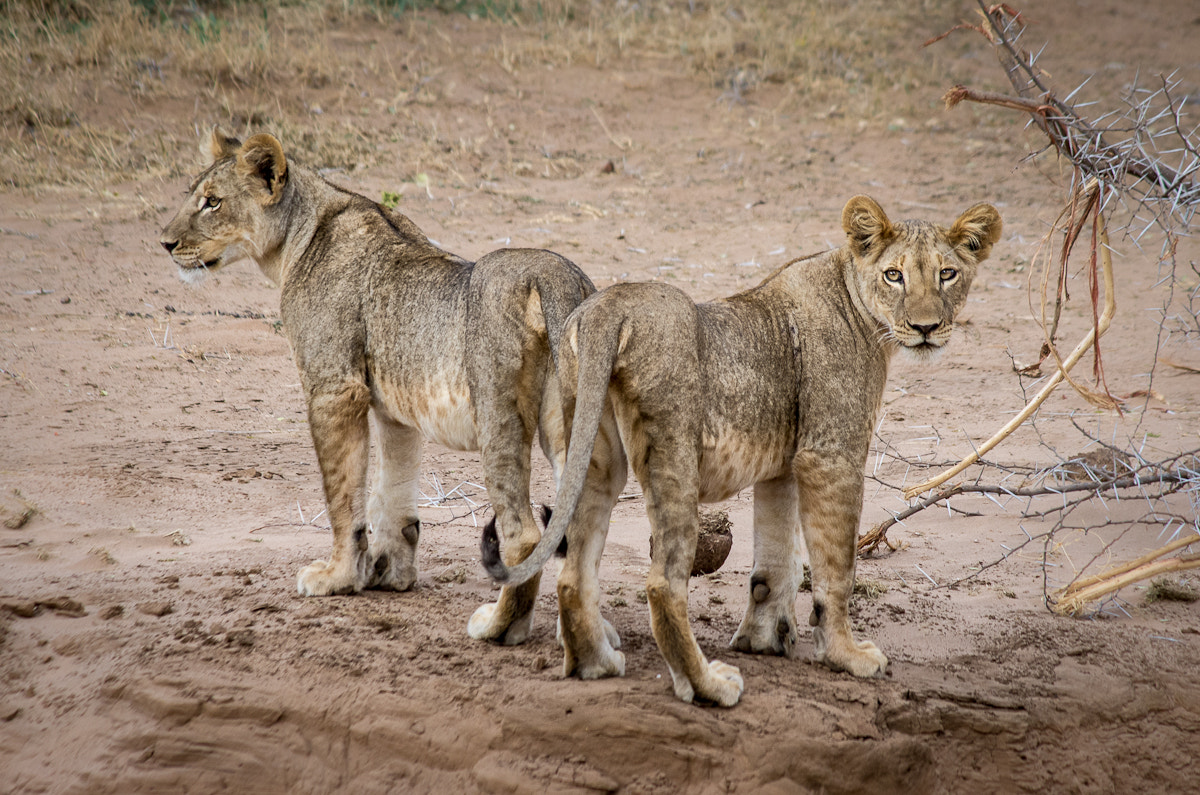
{"x":925,"y":329}
{"x":169,"y":245}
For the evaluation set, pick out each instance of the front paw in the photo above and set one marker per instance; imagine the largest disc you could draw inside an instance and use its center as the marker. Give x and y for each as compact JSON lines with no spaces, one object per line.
{"x":862,"y":659}
{"x":610,"y":634}
{"x":393,"y":556}
{"x":601,"y":663}
{"x":721,"y":684}
{"x":389,"y":573}
{"x":320,"y":578}
{"x":591,"y":654}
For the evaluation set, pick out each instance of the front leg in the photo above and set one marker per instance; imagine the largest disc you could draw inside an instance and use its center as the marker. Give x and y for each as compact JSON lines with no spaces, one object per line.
{"x":392,"y":508}
{"x":830,"y":505}
{"x":337,"y":417}
{"x":769,"y":626}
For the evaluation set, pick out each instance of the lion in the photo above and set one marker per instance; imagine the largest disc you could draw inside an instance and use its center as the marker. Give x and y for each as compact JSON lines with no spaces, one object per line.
{"x":777,"y":388}
{"x":389,"y":331}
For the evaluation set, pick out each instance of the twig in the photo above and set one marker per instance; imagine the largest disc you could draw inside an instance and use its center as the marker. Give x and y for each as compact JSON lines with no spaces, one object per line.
{"x":620,"y":144}
{"x":1071,"y":601}
{"x":1160,"y":474}
{"x":1087,"y":582}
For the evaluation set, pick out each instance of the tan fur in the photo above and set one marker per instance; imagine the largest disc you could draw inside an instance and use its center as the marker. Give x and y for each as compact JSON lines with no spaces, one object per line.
{"x":389,"y":331}
{"x":777,"y":388}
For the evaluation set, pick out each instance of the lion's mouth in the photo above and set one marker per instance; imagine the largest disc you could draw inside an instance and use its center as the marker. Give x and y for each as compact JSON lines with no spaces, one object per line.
{"x":201,"y":265}
{"x":195,"y":271}
{"x":923,"y":350}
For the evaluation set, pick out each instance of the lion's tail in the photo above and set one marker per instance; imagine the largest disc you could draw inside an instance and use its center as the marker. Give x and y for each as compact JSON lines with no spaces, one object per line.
{"x":598,"y":348}
{"x":559,"y":297}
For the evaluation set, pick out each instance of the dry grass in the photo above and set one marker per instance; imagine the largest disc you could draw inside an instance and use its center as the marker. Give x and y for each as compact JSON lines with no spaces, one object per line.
{"x":829,"y":49}
{"x":276,"y":64}
{"x":1168,"y":590}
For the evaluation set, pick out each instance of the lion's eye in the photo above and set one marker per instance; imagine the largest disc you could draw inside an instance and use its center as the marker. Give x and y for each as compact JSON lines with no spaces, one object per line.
{"x":948,"y":274}
{"x":894,"y":276}
{"x":210,"y":203}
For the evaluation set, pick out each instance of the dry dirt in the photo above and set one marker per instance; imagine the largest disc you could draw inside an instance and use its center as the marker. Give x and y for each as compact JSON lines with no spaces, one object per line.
{"x":152,"y":638}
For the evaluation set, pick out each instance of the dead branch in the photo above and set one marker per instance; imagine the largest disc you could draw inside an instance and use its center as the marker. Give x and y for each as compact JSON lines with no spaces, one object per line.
{"x":1071,"y":600}
{"x":1164,"y":473}
{"x":1074,"y":137}
{"x":1088,"y":582}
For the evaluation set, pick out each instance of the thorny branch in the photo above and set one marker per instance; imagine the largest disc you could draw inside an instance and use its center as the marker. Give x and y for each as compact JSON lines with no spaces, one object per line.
{"x":1144,"y":156}
{"x":1144,"y":160}
{"x":1088,"y":143}
{"x":1086,"y":479}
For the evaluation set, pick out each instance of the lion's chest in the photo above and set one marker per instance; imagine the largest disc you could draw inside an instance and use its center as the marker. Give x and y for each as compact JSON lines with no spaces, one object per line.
{"x":437,"y":406}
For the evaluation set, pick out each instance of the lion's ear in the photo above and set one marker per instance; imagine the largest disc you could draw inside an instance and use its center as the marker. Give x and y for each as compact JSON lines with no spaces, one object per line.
{"x":218,"y":146}
{"x":261,"y":158}
{"x":976,"y":231}
{"x":867,"y":226}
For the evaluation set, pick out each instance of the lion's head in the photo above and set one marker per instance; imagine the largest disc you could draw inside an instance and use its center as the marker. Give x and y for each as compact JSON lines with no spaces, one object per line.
{"x":913,"y":276}
{"x":228,"y":214}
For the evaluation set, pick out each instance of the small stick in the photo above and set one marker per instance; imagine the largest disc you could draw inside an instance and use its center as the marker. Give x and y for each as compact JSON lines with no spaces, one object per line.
{"x":1087,"y":582}
{"x":1072,"y":604}
{"x":622,"y":145}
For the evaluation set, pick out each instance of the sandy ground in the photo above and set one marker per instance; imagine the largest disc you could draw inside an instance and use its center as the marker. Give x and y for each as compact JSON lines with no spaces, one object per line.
{"x":152,"y":639}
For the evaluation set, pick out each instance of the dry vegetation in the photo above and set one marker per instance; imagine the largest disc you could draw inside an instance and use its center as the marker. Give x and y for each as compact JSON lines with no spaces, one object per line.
{"x":254,"y":65}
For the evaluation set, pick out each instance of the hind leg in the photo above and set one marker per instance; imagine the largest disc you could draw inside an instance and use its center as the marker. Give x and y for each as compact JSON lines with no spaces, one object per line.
{"x":507,"y":404}
{"x":392,"y":507}
{"x":830,"y":506}
{"x":769,"y":626}
{"x":588,"y":640}
{"x":509,"y":619}
{"x":669,"y":478}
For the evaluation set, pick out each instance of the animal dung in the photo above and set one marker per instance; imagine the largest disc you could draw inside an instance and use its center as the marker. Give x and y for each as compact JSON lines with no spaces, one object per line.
{"x":713,"y":545}
{"x":716,"y":539}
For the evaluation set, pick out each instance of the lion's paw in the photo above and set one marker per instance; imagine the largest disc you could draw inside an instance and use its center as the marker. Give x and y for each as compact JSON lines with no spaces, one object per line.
{"x":862,"y":659}
{"x":721,"y":684}
{"x":319,"y":578}
{"x":766,"y":634}
{"x":487,"y":624}
{"x":610,"y":633}
{"x":607,"y":663}
{"x":391,"y":574}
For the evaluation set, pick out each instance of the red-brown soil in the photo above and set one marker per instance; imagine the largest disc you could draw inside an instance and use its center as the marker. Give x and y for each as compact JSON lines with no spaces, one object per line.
{"x":152,"y":639}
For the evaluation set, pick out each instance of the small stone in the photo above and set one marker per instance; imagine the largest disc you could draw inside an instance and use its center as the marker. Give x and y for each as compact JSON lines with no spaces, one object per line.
{"x":156,"y":609}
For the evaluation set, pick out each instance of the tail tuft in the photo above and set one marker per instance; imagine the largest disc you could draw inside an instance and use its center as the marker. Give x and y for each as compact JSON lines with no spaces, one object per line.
{"x":548,"y":512}
{"x":489,"y":552}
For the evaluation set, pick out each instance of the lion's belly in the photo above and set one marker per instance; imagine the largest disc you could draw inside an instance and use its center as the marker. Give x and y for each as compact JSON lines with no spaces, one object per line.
{"x":731,"y":461}
{"x":440,"y":410}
